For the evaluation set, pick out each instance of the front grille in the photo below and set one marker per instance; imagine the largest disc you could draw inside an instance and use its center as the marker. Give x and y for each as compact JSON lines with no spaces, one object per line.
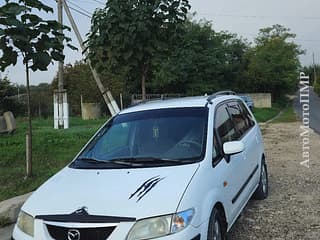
{"x":61,"y":233}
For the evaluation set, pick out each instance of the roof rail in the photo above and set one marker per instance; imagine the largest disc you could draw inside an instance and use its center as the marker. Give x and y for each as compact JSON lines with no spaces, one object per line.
{"x":220,"y":93}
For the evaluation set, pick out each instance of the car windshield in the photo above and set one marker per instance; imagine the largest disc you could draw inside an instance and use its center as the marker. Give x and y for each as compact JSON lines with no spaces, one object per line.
{"x":161,"y":136}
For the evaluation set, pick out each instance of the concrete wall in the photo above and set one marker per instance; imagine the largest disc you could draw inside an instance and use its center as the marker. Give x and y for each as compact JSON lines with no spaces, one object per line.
{"x":261,"y":100}
{"x":90,"y":111}
{"x":7,"y":123}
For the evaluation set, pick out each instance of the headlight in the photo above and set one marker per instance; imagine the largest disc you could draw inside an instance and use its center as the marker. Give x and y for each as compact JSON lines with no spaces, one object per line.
{"x":26,"y":223}
{"x":160,"y":226}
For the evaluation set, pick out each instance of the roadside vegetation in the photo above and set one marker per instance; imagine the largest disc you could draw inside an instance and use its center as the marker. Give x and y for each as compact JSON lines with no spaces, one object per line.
{"x":288,"y":115}
{"x":53,"y":149}
{"x":265,"y":114}
{"x":281,"y":111}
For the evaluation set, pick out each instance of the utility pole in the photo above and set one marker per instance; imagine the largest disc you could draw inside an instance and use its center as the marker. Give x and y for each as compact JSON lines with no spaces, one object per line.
{"x":60,"y":69}
{"x":107,"y":96}
{"x":61,"y":111}
{"x":314,"y":71}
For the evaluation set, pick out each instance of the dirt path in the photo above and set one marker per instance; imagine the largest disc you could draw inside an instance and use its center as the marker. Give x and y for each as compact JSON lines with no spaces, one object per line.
{"x":292,"y":210}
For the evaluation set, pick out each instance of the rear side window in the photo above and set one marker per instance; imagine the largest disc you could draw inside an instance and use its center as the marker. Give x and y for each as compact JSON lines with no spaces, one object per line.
{"x":224,"y":125}
{"x":238,"y":117}
{"x":247,"y":116}
{"x":241,"y":117}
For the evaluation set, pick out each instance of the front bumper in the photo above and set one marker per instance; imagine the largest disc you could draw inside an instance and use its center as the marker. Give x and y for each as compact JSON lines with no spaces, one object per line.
{"x":119,"y":233}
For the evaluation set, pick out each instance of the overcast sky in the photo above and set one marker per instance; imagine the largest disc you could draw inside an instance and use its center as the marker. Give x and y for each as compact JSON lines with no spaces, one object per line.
{"x":244,"y":17}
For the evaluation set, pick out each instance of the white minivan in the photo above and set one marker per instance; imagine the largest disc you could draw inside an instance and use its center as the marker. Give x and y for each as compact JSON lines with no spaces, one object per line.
{"x":178,"y":169}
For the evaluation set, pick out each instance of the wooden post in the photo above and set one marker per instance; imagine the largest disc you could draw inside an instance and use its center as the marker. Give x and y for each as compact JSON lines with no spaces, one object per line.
{"x":121,"y":101}
{"x":28,"y":156}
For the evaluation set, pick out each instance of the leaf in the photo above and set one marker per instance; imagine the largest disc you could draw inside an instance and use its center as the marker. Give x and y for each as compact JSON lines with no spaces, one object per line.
{"x":12,"y":9}
{"x":44,"y":28}
{"x":72,"y":47}
{"x":37,"y":4}
{"x":41,"y":60}
{"x":12,"y":21}
{"x":163,"y":8}
{"x":184,"y":9}
{"x":57,"y":56}
{"x":9,"y":57}
{"x":34,"y":19}
{"x":56,"y":33}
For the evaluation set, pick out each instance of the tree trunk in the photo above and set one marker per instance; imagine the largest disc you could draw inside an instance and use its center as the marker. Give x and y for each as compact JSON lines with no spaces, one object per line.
{"x":143,"y":81}
{"x":29,"y":131}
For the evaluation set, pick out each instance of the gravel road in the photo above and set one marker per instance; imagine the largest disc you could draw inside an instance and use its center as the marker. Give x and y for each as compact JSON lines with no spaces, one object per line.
{"x":292,"y":210}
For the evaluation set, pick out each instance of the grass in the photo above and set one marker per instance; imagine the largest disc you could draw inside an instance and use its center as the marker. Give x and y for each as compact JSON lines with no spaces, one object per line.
{"x":52,"y":150}
{"x":265,"y":114}
{"x":288,"y":115}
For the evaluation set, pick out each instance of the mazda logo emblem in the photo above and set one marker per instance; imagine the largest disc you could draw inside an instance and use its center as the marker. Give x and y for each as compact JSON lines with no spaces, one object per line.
{"x":73,"y":234}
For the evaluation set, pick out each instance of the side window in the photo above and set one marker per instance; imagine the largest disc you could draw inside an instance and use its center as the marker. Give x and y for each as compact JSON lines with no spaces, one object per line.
{"x":238,"y":118}
{"x":224,"y":125}
{"x":215,"y":148}
{"x":247,"y":116}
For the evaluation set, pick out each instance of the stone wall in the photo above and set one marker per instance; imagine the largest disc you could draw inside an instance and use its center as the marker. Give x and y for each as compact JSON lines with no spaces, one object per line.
{"x":261,"y":100}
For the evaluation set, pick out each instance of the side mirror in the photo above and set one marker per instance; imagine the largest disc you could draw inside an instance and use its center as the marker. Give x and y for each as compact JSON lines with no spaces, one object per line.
{"x":233,"y":147}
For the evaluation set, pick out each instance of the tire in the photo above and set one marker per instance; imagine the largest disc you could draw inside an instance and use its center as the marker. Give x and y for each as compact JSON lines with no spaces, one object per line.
{"x":263,"y":187}
{"x":217,"y":226}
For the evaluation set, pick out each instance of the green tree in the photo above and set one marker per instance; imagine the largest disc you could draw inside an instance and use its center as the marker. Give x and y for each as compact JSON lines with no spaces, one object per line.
{"x":274,"y":61}
{"x":37,"y":41}
{"x":6,"y":90}
{"x":126,"y":35}
{"x":203,"y":61}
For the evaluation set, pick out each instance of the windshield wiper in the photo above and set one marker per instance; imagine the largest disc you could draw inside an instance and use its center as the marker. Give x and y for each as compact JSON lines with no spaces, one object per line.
{"x":147,"y":160}
{"x":98,"y":161}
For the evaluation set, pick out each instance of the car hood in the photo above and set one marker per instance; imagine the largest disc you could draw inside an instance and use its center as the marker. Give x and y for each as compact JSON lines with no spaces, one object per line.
{"x":136,"y":193}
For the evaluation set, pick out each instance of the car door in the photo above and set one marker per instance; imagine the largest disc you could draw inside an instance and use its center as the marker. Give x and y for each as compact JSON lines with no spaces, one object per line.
{"x":244,"y":127}
{"x":233,"y":169}
{"x":253,"y":149}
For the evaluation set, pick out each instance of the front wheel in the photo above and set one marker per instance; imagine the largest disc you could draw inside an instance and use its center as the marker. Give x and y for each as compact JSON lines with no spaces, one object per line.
{"x":217,"y":230}
{"x":263,"y":188}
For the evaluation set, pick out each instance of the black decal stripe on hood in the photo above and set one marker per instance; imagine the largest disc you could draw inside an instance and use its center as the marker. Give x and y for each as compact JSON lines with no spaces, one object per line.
{"x":142,"y":186}
{"x":149,"y":188}
{"x":145,"y":187}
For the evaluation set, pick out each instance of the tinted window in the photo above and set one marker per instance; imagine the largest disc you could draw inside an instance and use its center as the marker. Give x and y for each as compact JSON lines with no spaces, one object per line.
{"x":247,"y":116}
{"x":238,"y":118}
{"x":224,"y":125}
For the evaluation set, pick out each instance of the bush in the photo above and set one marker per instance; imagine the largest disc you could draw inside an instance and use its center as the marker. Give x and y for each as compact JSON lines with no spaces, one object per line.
{"x":317,"y":88}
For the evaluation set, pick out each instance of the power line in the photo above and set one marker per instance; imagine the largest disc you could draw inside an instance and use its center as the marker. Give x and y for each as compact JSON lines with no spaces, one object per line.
{"x":77,"y":6}
{"x":99,"y":2}
{"x":80,"y":12}
{"x":258,"y":16}
{"x":86,"y":14}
